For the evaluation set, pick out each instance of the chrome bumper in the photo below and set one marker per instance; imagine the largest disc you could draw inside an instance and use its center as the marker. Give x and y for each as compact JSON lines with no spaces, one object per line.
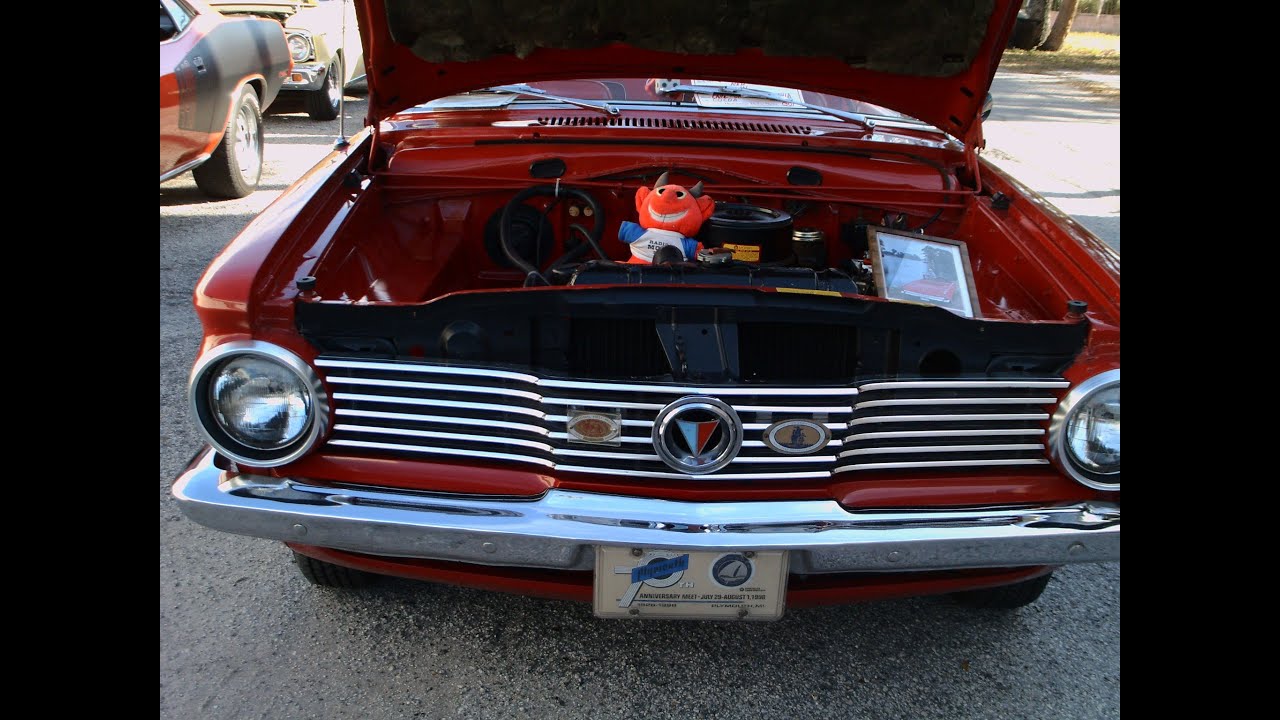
{"x":561,"y":528}
{"x":307,"y":76}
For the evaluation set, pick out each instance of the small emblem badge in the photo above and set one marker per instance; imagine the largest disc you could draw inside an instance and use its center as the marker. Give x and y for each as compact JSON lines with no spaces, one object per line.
{"x":797,"y":437}
{"x":595,"y":428}
{"x":732,"y":570}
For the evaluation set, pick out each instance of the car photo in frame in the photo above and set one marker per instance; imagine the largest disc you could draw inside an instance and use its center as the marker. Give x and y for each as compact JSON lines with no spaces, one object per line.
{"x":923,"y":269}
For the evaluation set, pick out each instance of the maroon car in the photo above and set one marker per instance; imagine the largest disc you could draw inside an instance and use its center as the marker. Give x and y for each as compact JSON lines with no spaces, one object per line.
{"x":435,"y":356}
{"x":217,"y":76}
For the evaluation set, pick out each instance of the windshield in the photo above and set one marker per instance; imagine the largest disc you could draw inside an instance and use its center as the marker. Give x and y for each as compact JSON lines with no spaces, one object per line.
{"x":619,"y":93}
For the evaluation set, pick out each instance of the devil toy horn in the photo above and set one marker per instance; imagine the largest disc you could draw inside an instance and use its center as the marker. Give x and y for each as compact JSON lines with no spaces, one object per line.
{"x":662,"y":180}
{"x":696,"y":190}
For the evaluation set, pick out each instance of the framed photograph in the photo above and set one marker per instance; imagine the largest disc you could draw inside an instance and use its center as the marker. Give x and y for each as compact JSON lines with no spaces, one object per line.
{"x":922,"y":269}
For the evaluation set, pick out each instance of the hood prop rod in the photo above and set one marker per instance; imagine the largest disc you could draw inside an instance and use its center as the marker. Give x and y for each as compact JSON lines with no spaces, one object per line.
{"x":342,"y":88}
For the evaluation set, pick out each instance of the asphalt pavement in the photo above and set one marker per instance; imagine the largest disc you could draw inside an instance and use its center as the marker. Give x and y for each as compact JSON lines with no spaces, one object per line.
{"x":242,"y":635}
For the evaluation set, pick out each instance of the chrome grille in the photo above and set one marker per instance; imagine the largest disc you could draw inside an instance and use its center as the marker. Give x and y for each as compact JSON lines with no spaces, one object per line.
{"x":467,"y":412}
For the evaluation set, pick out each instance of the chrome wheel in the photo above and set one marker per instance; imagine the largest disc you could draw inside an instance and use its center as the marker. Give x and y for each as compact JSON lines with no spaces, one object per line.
{"x":333,"y":85}
{"x":247,"y":144}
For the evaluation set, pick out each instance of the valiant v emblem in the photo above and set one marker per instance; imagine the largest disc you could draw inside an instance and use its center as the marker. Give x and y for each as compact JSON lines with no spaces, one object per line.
{"x":697,"y":435}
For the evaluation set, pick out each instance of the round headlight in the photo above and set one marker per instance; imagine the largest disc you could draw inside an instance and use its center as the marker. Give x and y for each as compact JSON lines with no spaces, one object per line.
{"x":1086,"y":432}
{"x":258,"y":403}
{"x":299,"y":47}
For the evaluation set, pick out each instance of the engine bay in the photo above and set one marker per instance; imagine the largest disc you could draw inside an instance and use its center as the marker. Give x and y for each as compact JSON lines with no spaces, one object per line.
{"x":416,"y":243}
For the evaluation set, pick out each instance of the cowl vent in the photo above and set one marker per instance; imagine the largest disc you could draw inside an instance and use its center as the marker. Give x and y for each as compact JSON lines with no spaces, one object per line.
{"x":674,"y":124}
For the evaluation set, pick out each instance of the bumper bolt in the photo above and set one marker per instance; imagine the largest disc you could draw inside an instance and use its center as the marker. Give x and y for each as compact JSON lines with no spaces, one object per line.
{"x":299,"y":529}
{"x":894,"y":556}
{"x":489,"y":547}
{"x":748,"y":554}
{"x":1075,"y":549}
{"x":636,"y":552}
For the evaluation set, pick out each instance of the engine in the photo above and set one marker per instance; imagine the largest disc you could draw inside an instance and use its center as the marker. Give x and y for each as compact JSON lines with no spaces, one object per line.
{"x":742,"y":244}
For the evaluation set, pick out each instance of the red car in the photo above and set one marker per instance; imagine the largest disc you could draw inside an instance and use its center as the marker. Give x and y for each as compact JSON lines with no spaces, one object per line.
{"x":428,"y":359}
{"x":217,"y":76}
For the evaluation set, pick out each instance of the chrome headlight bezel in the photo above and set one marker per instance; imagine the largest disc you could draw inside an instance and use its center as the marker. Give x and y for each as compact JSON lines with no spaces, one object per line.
{"x":307,"y":42}
{"x":206,"y":369}
{"x":1078,"y":398}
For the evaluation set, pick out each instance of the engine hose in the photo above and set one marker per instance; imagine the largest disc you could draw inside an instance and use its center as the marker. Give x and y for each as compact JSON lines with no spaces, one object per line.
{"x":556,"y":191}
{"x":595,"y":244}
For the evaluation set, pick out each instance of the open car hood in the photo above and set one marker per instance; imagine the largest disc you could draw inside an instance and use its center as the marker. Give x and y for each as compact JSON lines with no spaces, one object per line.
{"x":930,"y":59}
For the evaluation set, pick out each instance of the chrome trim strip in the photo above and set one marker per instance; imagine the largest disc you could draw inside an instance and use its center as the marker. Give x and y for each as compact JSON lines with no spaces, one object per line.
{"x":184,"y":167}
{"x":765,"y":426}
{"x":436,"y":435}
{"x":956,"y":401}
{"x":937,"y":464}
{"x":904,"y":449}
{"x":645,"y":439}
{"x":442,"y":451}
{"x":625,"y":423}
{"x":940,"y":433}
{"x":579,"y":385}
{"x":602,"y":403}
{"x":678,"y":390}
{"x":442,"y":419}
{"x":833,"y":442}
{"x":606,"y":454}
{"x":962,"y":384}
{"x":946,"y":418}
{"x":561,"y":528}
{"x":437,"y":369}
{"x":835,"y":410}
{"x":564,"y":436}
{"x":430,"y":402}
{"x":1058,"y":425}
{"x":409,"y":384}
{"x":783,"y":459}
{"x":683,"y":476}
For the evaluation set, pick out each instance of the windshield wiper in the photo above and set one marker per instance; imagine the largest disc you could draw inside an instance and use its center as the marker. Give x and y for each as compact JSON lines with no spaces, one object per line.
{"x":529,"y":91}
{"x":671,"y":87}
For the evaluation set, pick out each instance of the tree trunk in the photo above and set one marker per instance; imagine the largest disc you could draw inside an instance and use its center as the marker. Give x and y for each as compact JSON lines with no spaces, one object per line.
{"x":1032,"y":27}
{"x":1061,"y":26}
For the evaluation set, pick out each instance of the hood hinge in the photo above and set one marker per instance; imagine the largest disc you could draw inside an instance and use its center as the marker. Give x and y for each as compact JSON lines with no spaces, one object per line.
{"x":973,"y":144}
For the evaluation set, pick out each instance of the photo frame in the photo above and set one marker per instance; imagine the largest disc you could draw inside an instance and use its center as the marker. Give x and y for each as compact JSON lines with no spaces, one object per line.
{"x":923,"y":269}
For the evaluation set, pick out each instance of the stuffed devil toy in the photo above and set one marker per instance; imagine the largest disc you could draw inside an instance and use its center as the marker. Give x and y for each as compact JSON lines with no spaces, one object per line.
{"x":670,"y":216}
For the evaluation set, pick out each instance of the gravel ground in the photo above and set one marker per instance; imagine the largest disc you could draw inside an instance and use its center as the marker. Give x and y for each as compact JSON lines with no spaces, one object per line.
{"x":242,"y":635}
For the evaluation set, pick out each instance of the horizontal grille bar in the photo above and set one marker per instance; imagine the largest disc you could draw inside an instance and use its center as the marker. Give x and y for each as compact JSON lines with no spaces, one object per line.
{"x":451,"y":411}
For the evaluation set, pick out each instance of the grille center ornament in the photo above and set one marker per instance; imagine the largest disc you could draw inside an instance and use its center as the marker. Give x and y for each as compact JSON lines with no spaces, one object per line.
{"x":697,"y":434}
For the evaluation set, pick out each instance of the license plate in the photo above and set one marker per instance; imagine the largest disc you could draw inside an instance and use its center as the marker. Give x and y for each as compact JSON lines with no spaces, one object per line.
{"x":706,"y":585}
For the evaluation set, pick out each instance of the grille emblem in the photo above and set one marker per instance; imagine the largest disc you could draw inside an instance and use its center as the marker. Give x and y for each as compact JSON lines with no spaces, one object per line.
{"x":697,"y":435}
{"x":797,"y":437}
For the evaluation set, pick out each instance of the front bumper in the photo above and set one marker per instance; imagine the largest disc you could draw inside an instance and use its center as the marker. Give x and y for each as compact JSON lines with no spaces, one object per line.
{"x":305,"y":76}
{"x":561,"y":528}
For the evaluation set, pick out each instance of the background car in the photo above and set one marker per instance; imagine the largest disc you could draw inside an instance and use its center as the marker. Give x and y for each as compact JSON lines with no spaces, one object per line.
{"x":324,"y":43}
{"x":217,"y":75}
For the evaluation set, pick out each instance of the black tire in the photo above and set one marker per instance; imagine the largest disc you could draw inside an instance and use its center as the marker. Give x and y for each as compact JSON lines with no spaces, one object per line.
{"x":323,"y":104}
{"x":225,"y":174}
{"x":326,"y":574}
{"x":1005,"y":597}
